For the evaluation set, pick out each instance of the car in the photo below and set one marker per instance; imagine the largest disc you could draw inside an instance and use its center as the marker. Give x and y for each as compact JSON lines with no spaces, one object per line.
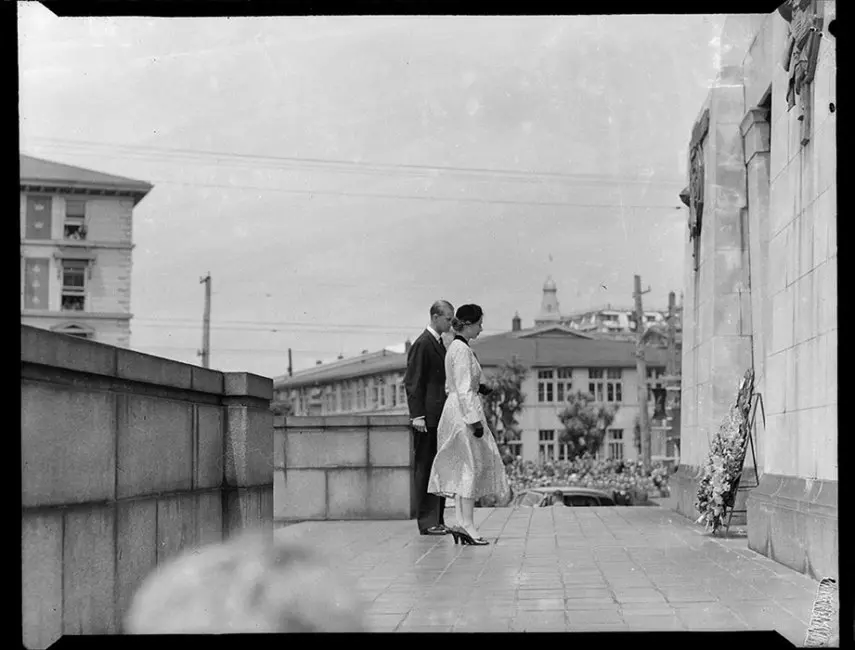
{"x":572,"y":496}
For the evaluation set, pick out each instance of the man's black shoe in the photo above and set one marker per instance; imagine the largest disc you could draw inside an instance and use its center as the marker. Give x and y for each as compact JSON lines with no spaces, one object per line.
{"x":435,"y":530}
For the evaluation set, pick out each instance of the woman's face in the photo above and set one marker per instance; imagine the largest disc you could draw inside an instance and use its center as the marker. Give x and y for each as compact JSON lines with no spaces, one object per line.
{"x":473,"y":330}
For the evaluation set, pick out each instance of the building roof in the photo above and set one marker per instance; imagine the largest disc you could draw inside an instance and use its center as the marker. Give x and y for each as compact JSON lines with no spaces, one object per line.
{"x":548,"y":351}
{"x":361,"y":366}
{"x":554,"y":330}
{"x":45,"y":173}
{"x":536,"y":347}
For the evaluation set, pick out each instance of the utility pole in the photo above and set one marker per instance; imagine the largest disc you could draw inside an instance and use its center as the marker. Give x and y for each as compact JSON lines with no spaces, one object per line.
{"x":290,"y":366}
{"x":671,"y":370}
{"x":672,"y":382}
{"x":206,"y":323}
{"x":641,"y":370}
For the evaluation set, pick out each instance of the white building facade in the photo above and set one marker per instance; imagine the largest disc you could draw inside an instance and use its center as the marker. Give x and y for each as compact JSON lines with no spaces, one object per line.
{"x":76,"y":250}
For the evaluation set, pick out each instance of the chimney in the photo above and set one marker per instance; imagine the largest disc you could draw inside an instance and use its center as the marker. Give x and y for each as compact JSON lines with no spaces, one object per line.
{"x":516,"y":323}
{"x":407,"y":345}
{"x":319,"y":362}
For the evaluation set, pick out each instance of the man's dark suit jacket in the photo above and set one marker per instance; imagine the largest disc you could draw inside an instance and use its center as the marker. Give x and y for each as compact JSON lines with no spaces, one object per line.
{"x":425,"y":379}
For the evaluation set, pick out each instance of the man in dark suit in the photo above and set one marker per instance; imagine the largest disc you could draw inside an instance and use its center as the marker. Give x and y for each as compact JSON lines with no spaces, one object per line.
{"x":425,"y":385}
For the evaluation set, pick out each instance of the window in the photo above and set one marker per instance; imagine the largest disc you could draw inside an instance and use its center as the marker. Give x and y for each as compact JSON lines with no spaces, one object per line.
{"x":545,"y":386}
{"x":380,"y":391}
{"x":606,"y":385}
{"x":515,"y":447}
{"x":546,"y":449}
{"x":530,"y":499}
{"x":580,"y":500}
{"x":402,"y":393}
{"x":373,"y":393}
{"x":654,"y":380}
{"x":362,"y":395}
{"x":614,"y":444}
{"x":36,"y":283}
{"x":74,"y":227}
{"x":563,"y":452}
{"x":73,"y":285}
{"x":393,"y":393}
{"x":346,"y":396}
{"x":327,"y":400}
{"x":564,"y":383}
{"x":39,"y":217}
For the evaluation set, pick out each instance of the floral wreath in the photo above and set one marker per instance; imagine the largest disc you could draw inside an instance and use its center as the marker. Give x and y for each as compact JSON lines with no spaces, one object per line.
{"x":722,"y":470}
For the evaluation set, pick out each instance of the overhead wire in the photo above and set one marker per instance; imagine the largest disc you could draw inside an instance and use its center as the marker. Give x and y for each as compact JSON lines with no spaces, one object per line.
{"x":339,"y":165}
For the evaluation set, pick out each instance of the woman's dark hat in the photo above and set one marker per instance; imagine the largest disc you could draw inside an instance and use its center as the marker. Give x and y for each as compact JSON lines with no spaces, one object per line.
{"x":469,"y":313}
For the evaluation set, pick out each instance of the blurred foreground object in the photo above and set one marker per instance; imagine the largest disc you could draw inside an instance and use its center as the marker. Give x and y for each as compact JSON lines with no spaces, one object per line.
{"x":249,"y":584}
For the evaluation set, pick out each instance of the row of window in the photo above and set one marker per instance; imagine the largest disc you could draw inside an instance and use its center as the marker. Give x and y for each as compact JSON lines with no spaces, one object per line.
{"x":549,"y":449}
{"x":39,"y":219}
{"x":73,"y":274}
{"x":605,"y":384}
{"x":364,"y":394}
{"x":380,"y":392}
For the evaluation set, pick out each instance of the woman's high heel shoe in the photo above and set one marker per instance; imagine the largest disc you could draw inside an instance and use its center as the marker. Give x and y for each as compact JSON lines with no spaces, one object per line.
{"x":455,"y":533}
{"x":468,"y":540}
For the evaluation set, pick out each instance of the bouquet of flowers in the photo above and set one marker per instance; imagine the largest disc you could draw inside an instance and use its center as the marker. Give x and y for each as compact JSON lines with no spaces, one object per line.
{"x":723,"y":467}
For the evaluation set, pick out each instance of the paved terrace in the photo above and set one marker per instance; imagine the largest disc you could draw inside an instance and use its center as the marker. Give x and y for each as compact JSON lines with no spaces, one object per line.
{"x":572,"y":569}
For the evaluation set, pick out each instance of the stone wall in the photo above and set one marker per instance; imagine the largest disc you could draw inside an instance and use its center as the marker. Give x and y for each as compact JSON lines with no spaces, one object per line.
{"x":793,"y":513}
{"x":343,"y":467}
{"x":764,"y":295}
{"x":126,"y":460}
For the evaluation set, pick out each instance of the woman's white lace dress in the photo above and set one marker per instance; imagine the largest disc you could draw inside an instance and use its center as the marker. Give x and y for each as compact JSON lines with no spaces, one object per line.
{"x":466,"y":466}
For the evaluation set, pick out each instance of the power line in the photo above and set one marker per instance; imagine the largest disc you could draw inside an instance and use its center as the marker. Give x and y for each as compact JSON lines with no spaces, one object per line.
{"x":412,"y":197}
{"x":168,"y":319}
{"x":368,"y":171}
{"x":418,"y":198}
{"x":363,"y":165}
{"x":218,"y":350}
{"x":280,"y":329}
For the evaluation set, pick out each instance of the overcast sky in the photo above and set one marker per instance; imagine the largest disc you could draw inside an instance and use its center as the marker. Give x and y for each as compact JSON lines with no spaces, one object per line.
{"x":312,"y":116}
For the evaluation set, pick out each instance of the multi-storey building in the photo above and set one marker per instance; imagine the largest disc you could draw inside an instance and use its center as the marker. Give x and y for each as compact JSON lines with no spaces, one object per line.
{"x":370,"y":383}
{"x":76,"y":246}
{"x":560,"y":361}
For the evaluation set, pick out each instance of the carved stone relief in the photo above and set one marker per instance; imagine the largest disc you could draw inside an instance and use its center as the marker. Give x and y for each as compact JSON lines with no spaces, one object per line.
{"x":800,"y":57}
{"x":693,"y":195}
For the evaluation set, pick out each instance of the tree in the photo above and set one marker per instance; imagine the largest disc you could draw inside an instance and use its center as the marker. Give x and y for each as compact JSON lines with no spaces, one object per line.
{"x":585,"y":422}
{"x":503,"y":405}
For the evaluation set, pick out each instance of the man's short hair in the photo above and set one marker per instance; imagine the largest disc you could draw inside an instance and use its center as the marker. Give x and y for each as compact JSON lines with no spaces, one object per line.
{"x":437,"y":308}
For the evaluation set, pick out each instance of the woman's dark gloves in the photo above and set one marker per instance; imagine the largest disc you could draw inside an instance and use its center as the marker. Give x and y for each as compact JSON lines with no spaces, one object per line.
{"x":479,"y":430}
{"x":483,"y":389}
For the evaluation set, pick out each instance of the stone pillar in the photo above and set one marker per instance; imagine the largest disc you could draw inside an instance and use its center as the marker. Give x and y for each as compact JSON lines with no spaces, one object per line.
{"x":717,"y":315}
{"x":248,"y":452}
{"x":755,"y":131}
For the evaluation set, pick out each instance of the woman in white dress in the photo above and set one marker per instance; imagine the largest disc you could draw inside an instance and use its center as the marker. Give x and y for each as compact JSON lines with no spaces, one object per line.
{"x":468,"y":465}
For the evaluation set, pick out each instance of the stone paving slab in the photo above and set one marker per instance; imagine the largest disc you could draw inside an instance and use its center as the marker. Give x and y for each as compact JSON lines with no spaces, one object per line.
{"x":569,"y":570}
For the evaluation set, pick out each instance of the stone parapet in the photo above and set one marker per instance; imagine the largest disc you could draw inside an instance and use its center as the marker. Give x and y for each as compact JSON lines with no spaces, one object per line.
{"x":127,"y":460}
{"x":343,"y":467}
